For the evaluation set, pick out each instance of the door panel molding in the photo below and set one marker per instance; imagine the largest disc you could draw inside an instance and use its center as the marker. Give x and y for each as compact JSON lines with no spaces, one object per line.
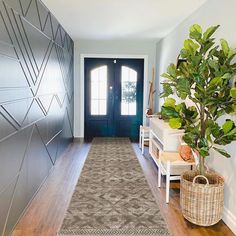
{"x":118,"y":56}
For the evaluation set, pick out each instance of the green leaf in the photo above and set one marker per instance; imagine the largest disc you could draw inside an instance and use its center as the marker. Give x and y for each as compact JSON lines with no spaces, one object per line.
{"x":214,"y":64}
{"x":222,"y":152}
{"x":167,"y":76}
{"x":208,"y":133}
{"x":232,"y":132}
{"x":184,"y":69}
{"x":227,"y":126}
{"x":175,"y":123}
{"x":224,"y":46}
{"x":187,"y":44}
{"x":167,"y":90}
{"x":228,"y":109}
{"x":195,"y":32}
{"x":191,"y":136}
{"x":209,"y":32}
{"x":200,"y":88}
{"x":191,"y":46}
{"x":170,"y":102}
{"x":203,"y":143}
{"x":169,"y":112}
{"x":227,"y":76}
{"x":180,"y":107}
{"x":183,"y":95}
{"x":216,"y":130}
{"x":233,"y":109}
{"x":184,"y":53}
{"x":213,"y":51}
{"x":216,"y":81}
{"x":171,"y":70}
{"x":232,"y":54}
{"x":204,"y":151}
{"x":191,"y":113}
{"x":196,"y":28}
{"x":205,"y":47}
{"x":183,"y":87}
{"x":196,"y":60}
{"x":233,"y":92}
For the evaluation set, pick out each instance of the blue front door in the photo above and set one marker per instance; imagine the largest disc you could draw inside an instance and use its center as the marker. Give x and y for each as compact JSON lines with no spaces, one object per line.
{"x":113,"y":97}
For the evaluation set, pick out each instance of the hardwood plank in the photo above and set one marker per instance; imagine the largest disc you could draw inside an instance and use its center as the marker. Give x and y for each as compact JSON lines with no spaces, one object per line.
{"x":46,"y":212}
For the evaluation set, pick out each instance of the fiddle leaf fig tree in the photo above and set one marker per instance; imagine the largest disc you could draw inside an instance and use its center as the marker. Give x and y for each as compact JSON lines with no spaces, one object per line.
{"x":204,"y":78}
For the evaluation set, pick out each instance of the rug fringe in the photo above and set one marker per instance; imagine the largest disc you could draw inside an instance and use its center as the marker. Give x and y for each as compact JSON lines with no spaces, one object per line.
{"x":114,"y":232}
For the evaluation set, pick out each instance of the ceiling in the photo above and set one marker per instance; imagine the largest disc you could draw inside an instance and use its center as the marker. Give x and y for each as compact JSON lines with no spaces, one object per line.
{"x":121,"y":19}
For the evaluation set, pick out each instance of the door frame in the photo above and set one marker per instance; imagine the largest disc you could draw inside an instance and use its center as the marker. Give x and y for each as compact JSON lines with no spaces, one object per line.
{"x":125,"y":56}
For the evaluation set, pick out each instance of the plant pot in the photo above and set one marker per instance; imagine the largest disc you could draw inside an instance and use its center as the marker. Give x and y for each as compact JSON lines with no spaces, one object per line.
{"x":202,"y":197}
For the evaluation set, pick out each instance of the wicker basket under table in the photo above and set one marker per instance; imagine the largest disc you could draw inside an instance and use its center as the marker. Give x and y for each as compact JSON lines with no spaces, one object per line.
{"x":202,"y":202}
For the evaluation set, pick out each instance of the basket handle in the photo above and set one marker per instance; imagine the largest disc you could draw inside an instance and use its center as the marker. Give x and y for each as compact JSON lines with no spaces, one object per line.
{"x":201,"y":176}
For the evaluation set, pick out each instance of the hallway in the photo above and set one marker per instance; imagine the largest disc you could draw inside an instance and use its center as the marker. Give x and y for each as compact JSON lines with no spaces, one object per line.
{"x":159,"y":71}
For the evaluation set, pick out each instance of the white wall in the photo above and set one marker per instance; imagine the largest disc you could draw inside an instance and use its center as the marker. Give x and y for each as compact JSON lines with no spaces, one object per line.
{"x":130,"y":48}
{"x":214,"y":12}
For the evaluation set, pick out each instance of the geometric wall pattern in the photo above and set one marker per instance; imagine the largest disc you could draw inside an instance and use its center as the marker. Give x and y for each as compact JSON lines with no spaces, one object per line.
{"x":36,"y":102}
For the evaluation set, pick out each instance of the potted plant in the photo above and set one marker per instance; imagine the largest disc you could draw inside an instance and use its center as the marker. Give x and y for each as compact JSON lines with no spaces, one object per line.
{"x":202,"y":85}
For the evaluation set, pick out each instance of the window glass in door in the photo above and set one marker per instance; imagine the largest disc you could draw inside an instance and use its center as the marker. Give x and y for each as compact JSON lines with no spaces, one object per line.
{"x":99,"y":91}
{"x":128,"y":91}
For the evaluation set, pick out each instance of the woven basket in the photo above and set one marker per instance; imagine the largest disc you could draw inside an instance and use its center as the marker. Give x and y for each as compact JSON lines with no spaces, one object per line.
{"x":201,"y":198}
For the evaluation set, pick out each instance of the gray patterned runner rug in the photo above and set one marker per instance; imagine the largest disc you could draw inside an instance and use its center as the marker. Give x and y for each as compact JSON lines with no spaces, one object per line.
{"x":112,"y":196}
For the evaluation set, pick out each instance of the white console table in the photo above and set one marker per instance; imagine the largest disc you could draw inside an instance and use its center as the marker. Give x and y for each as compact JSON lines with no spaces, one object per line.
{"x":163,"y":148}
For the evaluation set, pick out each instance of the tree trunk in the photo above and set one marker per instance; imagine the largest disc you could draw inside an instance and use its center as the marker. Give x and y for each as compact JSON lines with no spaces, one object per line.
{"x":203,"y":132}
{"x":202,"y":165}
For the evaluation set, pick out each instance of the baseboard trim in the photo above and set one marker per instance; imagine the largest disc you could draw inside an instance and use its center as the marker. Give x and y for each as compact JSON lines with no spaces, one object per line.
{"x":229,"y":219}
{"x":78,"y":136}
{"x":78,"y":139}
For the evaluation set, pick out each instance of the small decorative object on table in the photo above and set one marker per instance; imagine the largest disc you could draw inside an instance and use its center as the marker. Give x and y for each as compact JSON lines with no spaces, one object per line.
{"x":204,"y":78}
{"x":186,"y":152}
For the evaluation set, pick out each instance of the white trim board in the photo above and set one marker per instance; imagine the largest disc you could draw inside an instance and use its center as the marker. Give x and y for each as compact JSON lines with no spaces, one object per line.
{"x":126,"y":56}
{"x":229,"y":219}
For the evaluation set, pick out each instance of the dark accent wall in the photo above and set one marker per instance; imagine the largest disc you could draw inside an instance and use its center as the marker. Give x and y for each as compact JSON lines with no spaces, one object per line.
{"x":36,"y":102}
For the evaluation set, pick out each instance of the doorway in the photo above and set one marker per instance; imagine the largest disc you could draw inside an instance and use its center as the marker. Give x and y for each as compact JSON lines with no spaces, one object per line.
{"x":113,"y":97}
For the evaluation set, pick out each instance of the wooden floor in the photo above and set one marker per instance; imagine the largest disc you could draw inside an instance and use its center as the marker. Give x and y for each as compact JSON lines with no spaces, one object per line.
{"x":46,"y":212}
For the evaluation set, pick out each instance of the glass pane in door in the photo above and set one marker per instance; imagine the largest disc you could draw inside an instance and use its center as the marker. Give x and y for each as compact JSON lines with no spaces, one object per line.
{"x":99,"y":91}
{"x":128,"y":91}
